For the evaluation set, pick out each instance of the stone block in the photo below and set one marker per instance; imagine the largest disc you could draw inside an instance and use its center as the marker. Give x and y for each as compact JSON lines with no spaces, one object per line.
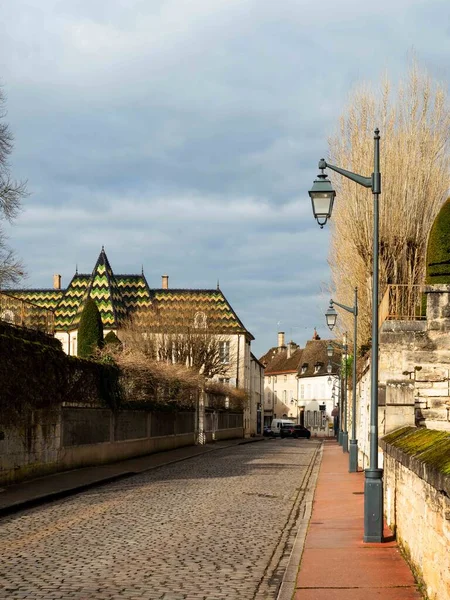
{"x":431,"y":373}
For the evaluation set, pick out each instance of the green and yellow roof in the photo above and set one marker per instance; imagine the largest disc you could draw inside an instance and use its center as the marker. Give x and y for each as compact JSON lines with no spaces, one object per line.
{"x":118,"y":297}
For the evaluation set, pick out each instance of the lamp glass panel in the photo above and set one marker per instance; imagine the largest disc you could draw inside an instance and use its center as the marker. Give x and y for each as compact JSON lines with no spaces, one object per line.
{"x":331,"y":319}
{"x":322,"y":203}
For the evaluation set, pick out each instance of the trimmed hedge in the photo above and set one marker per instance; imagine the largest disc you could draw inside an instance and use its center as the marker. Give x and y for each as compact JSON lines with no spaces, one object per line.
{"x":438,"y":250}
{"x":29,"y":334}
{"x":35,"y":376}
{"x":90,"y":330}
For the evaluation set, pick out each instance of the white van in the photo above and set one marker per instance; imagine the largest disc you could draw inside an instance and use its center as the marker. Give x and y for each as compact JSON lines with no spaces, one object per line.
{"x":278,"y":423}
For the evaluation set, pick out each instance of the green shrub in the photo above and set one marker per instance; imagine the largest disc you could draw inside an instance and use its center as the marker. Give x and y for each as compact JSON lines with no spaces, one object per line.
{"x":35,"y":376}
{"x":90,"y":330}
{"x":438,"y":251}
{"x":111,"y":338}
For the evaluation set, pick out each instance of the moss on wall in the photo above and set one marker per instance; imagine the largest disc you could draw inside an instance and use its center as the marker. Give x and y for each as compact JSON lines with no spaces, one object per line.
{"x":428,"y":446}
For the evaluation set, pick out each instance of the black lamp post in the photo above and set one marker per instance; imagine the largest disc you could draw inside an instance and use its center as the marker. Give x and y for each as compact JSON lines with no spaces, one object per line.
{"x":322,"y":197}
{"x":343,"y":433}
{"x":353,"y":458}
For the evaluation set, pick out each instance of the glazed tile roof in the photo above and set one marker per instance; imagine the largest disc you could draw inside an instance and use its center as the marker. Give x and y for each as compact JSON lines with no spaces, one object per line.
{"x":119,"y":296}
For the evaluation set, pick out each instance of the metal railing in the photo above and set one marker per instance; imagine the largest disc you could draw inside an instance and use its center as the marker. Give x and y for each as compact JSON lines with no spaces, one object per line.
{"x":403,"y":302}
{"x":25,"y":314}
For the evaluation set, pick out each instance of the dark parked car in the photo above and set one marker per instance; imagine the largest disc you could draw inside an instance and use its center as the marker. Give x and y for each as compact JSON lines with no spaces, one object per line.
{"x":295,"y":431}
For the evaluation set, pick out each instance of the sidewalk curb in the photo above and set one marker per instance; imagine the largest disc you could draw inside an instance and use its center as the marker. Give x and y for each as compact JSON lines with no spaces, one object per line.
{"x":289,"y":581}
{"x":72,"y":491}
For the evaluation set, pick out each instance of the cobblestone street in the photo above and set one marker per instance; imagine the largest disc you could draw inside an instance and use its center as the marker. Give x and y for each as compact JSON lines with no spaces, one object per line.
{"x":216,"y":526}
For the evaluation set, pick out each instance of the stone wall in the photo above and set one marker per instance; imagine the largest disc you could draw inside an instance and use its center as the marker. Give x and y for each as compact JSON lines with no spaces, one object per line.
{"x":75,"y":436}
{"x":417,"y":504}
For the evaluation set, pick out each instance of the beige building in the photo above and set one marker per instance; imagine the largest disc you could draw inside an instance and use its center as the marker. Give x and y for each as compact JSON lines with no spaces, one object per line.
{"x":318,"y":390}
{"x":280,"y":380}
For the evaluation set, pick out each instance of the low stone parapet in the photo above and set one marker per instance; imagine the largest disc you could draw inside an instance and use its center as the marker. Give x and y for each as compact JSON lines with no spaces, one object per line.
{"x":417,"y":502}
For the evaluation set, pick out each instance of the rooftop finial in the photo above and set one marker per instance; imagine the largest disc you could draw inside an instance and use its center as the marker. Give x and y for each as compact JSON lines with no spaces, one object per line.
{"x":218,"y":286}
{"x":103,"y":248}
{"x":76,"y":269}
{"x":142,"y":270}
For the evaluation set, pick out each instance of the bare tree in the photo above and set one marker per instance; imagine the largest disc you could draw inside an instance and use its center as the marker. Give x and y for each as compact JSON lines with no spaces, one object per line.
{"x":183,"y":335}
{"x":11,"y":194}
{"x":415,"y":166}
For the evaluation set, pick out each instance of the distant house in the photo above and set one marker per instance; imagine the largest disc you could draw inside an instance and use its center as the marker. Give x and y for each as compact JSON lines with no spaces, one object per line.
{"x":318,"y":389}
{"x":119,"y":297}
{"x":280,"y":380}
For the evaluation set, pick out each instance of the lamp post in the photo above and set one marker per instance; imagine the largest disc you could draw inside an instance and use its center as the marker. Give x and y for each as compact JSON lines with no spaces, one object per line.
{"x":353,"y":458}
{"x":322,"y":197}
{"x":337,"y":391}
{"x":343,"y":432}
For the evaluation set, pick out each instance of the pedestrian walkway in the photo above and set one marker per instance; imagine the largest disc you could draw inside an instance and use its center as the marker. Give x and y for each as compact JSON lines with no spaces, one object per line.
{"x":58,"y":485}
{"x":336,"y":564}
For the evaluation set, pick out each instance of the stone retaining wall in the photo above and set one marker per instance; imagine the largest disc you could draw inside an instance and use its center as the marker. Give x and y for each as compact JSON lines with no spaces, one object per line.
{"x":75,"y":436}
{"x":417,"y":503}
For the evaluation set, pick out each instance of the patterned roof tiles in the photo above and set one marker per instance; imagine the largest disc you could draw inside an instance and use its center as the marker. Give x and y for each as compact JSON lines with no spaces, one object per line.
{"x":119,"y":296}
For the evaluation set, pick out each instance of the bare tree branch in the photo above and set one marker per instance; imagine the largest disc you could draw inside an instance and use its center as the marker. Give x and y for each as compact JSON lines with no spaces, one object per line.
{"x":11,"y":194}
{"x":415,"y":166}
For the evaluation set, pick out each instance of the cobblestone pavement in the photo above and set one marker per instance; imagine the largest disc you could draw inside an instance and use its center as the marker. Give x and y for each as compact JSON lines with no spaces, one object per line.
{"x":216,"y":526}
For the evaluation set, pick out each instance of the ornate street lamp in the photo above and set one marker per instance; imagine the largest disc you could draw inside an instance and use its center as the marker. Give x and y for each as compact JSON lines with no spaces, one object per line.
{"x":322,"y":196}
{"x":322,"y":208}
{"x":331,"y":316}
{"x":353,"y":457}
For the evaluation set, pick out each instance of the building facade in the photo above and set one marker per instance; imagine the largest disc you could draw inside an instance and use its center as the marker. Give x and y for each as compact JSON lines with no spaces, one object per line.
{"x":280,"y":381}
{"x":319,"y":387}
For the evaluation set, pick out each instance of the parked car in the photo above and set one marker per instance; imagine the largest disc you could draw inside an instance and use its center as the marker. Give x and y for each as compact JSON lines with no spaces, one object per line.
{"x":277,"y":424}
{"x":295,"y":431}
{"x":267,"y":431}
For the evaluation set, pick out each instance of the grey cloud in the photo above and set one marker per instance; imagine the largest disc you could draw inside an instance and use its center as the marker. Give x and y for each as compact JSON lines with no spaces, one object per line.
{"x":185,"y":135}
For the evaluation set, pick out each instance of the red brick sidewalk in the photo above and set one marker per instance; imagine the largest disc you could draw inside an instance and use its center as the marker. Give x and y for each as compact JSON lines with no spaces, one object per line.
{"x":336,"y":564}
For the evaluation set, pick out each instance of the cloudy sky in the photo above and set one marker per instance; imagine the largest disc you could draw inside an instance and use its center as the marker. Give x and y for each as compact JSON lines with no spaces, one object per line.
{"x":184,"y":135}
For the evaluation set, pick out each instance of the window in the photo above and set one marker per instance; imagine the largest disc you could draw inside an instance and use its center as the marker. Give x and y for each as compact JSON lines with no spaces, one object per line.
{"x":224,"y":352}
{"x":268,"y":379}
{"x":275,"y":379}
{"x":284,"y":396}
{"x":304,"y":367}
{"x":302,"y":392}
{"x":224,"y":380}
{"x":291,"y":396}
{"x":285,"y":378}
{"x":8,"y":316}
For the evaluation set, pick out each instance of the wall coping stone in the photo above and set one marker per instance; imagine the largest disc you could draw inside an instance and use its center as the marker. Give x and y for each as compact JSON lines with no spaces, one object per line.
{"x":437,"y":288}
{"x":425,"y":452}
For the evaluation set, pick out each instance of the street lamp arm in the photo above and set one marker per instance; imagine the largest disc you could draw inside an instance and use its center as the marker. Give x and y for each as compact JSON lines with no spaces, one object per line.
{"x":365,"y":181}
{"x":350,"y":309}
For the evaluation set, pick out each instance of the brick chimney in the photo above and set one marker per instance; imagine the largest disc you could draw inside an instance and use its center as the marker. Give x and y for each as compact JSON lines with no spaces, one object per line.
{"x":56,"y":281}
{"x":281,"y":343}
{"x":165,"y":282}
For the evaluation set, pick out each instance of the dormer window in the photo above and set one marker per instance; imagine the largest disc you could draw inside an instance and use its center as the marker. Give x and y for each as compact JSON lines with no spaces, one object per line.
{"x":304,"y":367}
{"x":200,"y":320}
{"x":317,"y":367}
